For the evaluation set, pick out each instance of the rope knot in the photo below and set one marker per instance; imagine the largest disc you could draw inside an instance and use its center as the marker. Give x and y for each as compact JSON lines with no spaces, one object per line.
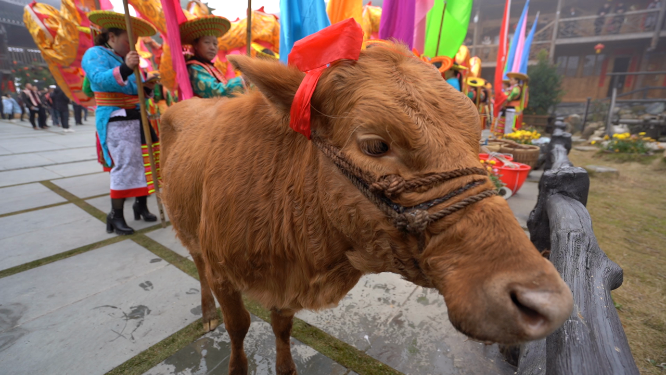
{"x":413,"y":222}
{"x":391,"y":185}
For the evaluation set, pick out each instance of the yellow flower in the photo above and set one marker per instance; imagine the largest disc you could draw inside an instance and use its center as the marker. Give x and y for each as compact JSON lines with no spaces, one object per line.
{"x":616,"y":150}
{"x":593,"y":142}
{"x":493,"y":162}
{"x":641,"y":133}
{"x":606,"y":137}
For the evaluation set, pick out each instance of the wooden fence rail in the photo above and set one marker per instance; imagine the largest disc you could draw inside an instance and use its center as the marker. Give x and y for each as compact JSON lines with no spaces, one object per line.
{"x":592,"y":340}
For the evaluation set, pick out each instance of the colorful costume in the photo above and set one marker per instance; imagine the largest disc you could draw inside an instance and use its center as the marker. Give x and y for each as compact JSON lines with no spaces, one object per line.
{"x":208,"y":81}
{"x":516,"y":101}
{"x":122,"y":147}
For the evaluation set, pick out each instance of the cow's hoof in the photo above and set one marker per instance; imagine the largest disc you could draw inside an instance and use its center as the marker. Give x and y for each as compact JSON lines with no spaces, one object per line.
{"x":209,"y":326}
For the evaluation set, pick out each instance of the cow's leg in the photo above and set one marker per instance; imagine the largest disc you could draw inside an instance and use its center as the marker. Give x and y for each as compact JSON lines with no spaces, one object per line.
{"x":210,"y":318}
{"x":282,"y":320}
{"x":237,"y":323}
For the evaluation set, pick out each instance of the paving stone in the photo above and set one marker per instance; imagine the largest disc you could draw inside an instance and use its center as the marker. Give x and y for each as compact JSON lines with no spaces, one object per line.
{"x":76,"y":169}
{"x":86,"y":186}
{"x":22,"y":176}
{"x":167,"y":237}
{"x":19,"y":161}
{"x":104,"y":204}
{"x":419,"y":339}
{"x":4,"y":151}
{"x":360,"y":314}
{"x":23,"y":197}
{"x":97,"y":324}
{"x":70,"y":155}
{"x":210,"y":355}
{"x":523,"y":202}
{"x":38,"y":234}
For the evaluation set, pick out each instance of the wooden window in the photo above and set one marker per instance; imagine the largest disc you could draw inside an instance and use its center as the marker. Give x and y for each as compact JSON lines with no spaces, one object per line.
{"x":572,"y":66}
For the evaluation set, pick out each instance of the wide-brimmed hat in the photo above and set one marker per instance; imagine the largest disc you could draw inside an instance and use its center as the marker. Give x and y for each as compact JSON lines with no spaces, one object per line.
{"x":457,"y":67}
{"x":476,"y":82}
{"x":442,"y":63}
{"x":202,"y":26}
{"x":264,"y":52}
{"x":518,"y":76}
{"x":111,"y":20}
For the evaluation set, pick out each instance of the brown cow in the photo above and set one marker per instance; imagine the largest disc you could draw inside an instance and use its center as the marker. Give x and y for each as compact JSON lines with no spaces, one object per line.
{"x":266,"y":213}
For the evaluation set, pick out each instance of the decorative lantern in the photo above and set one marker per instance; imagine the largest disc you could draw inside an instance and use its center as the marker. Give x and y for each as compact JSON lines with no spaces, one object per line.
{"x":599,"y":47}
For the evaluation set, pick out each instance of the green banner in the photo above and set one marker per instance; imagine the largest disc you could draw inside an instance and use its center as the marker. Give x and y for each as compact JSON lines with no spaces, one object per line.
{"x":453,"y":30}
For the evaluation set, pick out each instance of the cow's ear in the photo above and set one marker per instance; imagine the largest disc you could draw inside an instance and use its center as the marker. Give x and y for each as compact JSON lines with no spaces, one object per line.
{"x":278,"y":82}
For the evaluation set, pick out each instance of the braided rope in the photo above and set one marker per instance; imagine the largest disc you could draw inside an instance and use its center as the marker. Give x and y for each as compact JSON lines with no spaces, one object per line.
{"x":416,"y":219}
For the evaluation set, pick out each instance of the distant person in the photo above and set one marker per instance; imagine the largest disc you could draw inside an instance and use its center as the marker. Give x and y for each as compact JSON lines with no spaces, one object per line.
{"x":48,"y":101}
{"x":61,"y":107}
{"x":651,"y":19}
{"x":569,"y":29}
{"x":601,"y":18}
{"x":78,"y":111}
{"x":18,"y":100}
{"x":618,"y":19}
{"x":31,"y":98}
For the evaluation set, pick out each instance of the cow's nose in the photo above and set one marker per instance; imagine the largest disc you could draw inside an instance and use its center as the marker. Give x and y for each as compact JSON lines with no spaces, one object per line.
{"x":540,"y":312}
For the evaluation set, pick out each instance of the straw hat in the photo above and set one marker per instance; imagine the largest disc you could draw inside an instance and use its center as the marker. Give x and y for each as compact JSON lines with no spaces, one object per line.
{"x":442,"y":63}
{"x":457,"y":67}
{"x":202,"y":26}
{"x":107,"y":19}
{"x":476,"y":82}
{"x":518,"y":76}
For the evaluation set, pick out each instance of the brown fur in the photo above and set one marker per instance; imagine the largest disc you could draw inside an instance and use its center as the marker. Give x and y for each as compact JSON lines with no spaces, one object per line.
{"x":273,"y":218}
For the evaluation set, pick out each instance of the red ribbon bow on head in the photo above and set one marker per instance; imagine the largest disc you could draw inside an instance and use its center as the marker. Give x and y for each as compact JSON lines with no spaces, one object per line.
{"x":312,"y":55}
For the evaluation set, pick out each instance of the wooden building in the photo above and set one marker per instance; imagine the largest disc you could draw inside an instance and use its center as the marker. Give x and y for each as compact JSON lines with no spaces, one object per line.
{"x":633,"y":34}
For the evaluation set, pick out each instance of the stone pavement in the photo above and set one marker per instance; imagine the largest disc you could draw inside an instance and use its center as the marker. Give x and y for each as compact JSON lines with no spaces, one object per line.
{"x":76,"y":300}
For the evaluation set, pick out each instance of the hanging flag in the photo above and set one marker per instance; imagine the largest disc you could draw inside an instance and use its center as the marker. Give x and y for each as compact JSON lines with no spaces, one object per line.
{"x":174,"y":16}
{"x":340,"y":10}
{"x":420,"y":18}
{"x":450,"y":33}
{"x":398,"y":21}
{"x":528,"y":45}
{"x":500,"y":98}
{"x":514,"y":42}
{"x":521,"y":45}
{"x":298,"y":19}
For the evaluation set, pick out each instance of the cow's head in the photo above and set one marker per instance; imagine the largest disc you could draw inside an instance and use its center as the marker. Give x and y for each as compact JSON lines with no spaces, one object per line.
{"x":392,"y":114}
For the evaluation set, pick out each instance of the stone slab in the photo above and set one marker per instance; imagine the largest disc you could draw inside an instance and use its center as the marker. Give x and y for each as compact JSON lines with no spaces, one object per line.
{"x":70,"y":155}
{"x":22,"y":176}
{"x":601,"y":170}
{"x":419,"y":339}
{"x":86,"y":186}
{"x":20,"y":161}
{"x":23,"y":197}
{"x":104,"y":204}
{"x":367,"y":307}
{"x":586,"y":148}
{"x":167,"y":237}
{"x":76,"y":169}
{"x":31,"y":143}
{"x":128,"y":313}
{"x":38,"y":234}
{"x":210,"y":355}
{"x":406,"y":327}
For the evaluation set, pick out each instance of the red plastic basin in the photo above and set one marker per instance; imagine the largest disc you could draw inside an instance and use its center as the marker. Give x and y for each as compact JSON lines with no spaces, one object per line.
{"x":512,"y":177}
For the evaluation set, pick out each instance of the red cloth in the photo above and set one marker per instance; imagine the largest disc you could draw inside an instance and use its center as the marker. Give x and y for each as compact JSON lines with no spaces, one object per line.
{"x":312,"y":55}
{"x":174,"y":16}
{"x":500,"y":97}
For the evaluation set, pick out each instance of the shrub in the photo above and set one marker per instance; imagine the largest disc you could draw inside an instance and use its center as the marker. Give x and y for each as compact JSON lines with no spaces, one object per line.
{"x":545,"y":87}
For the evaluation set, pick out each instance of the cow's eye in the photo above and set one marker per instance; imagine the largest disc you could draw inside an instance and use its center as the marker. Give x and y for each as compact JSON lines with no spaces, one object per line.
{"x":374,"y":147}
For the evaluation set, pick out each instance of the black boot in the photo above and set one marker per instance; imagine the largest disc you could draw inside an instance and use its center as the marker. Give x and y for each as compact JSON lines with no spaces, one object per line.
{"x":141,"y":209}
{"x":115,"y":221}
